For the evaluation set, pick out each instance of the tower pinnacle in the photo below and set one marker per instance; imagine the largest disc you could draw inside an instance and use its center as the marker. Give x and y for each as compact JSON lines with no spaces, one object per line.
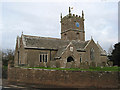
{"x":82,"y":14}
{"x":61,"y":16}
{"x":69,"y":11}
{"x":22,"y":32}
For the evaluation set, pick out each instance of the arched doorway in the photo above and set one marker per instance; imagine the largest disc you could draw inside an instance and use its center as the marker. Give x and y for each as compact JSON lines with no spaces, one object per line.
{"x":69,"y":59}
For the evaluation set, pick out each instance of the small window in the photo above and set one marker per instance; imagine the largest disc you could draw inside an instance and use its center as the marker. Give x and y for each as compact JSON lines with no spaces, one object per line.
{"x":80,"y":59}
{"x":46,"y":58}
{"x":71,"y":49}
{"x":77,"y":33}
{"x":43,"y":57}
{"x":40,"y":58}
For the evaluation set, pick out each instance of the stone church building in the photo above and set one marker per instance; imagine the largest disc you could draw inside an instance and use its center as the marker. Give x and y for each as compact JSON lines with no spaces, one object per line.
{"x":71,"y":50}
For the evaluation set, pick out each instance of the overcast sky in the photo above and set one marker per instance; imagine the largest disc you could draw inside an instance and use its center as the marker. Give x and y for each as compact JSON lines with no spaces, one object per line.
{"x":43,"y":19}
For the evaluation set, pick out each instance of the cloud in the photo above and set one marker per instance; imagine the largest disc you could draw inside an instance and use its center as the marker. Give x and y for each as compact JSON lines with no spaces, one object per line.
{"x":43,"y":19}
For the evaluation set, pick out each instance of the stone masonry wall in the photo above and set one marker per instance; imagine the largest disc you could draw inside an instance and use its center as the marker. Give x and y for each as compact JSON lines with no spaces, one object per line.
{"x":74,"y":79}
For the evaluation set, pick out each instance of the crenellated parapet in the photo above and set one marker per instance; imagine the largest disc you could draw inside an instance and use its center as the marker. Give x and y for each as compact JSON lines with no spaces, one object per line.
{"x":70,"y":15}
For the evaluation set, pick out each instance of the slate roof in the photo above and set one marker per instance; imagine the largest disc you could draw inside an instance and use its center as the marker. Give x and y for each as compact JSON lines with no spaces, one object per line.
{"x":60,"y":51}
{"x":43,"y":42}
{"x":50,"y":43}
{"x":79,"y":44}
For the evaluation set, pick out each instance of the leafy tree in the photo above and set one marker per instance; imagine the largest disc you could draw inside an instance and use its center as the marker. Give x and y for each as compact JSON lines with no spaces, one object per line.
{"x":7,"y":55}
{"x":115,"y":57}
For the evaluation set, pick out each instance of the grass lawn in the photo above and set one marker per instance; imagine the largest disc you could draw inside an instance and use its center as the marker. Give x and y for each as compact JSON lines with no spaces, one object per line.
{"x":77,"y":69}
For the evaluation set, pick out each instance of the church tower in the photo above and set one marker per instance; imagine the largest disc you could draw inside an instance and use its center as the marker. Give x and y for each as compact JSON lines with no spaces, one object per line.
{"x":72,"y":27}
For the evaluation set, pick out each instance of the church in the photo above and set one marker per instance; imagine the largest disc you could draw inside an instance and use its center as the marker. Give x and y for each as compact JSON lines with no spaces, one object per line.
{"x":69,"y":51}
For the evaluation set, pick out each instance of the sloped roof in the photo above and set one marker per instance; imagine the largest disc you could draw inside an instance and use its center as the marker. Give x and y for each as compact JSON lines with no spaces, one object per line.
{"x":43,"y":42}
{"x":50,"y":43}
{"x":79,"y":45}
{"x":60,"y":51}
{"x":103,"y":52}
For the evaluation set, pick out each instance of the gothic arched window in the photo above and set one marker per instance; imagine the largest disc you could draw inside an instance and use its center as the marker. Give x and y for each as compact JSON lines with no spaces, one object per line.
{"x":92,"y":54}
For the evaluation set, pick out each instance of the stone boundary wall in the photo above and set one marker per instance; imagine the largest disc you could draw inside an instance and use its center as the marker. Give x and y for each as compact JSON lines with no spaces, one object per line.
{"x":74,"y":79}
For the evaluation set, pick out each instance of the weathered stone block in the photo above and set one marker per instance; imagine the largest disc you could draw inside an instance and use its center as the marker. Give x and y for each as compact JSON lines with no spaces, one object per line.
{"x":41,"y":64}
{"x":98,"y":64}
{"x":92,"y":64}
{"x":103,"y":64}
{"x":58,"y":64}
{"x":84,"y":65}
{"x":68,"y":65}
{"x":110,"y":63}
{"x":73,"y":65}
{"x":52,"y":64}
{"x":48,"y":64}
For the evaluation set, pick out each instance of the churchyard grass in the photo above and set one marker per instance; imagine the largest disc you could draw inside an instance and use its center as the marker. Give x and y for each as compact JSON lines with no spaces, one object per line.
{"x":114,"y":68}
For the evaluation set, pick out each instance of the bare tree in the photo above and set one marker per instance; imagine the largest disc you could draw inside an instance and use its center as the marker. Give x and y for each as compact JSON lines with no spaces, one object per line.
{"x":110,"y":50}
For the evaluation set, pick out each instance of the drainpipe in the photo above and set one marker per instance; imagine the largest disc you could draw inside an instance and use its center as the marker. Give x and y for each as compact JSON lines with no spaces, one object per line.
{"x":50,"y":55}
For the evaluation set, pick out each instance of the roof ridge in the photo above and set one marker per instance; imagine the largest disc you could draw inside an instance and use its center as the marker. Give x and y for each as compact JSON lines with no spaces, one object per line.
{"x":41,"y":37}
